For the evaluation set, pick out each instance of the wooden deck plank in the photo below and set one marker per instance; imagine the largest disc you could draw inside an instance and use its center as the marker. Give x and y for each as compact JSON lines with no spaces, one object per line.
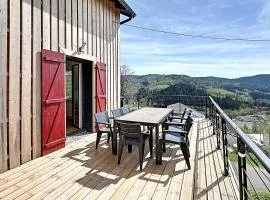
{"x":187,"y":184}
{"x":90,"y":180}
{"x":50,"y":175}
{"x":130,"y":180}
{"x":200,"y":192}
{"x":113,"y":174}
{"x":32,"y":165}
{"x":116,"y":184}
{"x":212,"y":179}
{"x":59,"y":191}
{"x":79,"y":171}
{"x":154,"y":178}
{"x":165,"y":179}
{"x":58,"y":188}
{"x":220,"y":178}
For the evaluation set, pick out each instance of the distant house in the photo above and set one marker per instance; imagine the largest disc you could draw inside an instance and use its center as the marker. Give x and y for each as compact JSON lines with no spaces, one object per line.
{"x":40,"y":41}
{"x":251,"y":118}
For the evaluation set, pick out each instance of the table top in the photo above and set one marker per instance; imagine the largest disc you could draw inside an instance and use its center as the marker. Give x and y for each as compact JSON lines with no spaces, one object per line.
{"x":146,"y":115}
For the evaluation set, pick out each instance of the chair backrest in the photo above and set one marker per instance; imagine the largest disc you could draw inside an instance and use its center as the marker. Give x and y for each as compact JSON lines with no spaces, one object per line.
{"x":189,"y":123}
{"x":183,"y":114}
{"x":129,"y":129}
{"x":102,"y":117}
{"x":126,"y":109}
{"x":117,"y":112}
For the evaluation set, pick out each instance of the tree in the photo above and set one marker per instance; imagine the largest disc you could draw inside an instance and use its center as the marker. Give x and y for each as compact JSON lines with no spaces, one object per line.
{"x":125,"y":73}
{"x":254,"y":128}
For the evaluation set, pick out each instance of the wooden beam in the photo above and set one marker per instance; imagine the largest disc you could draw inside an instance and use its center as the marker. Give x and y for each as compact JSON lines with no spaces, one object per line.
{"x":14,"y":85}
{"x":36,"y":80}
{"x":117,"y":56}
{"x":62,"y":23}
{"x":46,"y":32}
{"x":74,"y":8}
{"x":98,"y":28}
{"x":68,"y":25}
{"x":3,"y":85}
{"x":94,"y":27}
{"x":85,"y":25}
{"x":90,"y":27}
{"x":26,"y":82}
{"x":54,"y":26}
{"x":80,"y":23}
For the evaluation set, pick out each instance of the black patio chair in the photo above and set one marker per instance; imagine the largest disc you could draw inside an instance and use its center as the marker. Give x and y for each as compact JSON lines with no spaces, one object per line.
{"x":126,"y":109}
{"x":177,"y":133}
{"x":131,"y":134}
{"x":103,"y":125}
{"x":117,"y":112}
{"x":178,"y":116}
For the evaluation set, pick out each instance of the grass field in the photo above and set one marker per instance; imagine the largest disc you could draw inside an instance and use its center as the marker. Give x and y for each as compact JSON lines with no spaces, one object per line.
{"x":218,"y":92}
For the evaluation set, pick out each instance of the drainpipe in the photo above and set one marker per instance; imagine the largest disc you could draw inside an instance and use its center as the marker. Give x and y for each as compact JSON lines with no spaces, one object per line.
{"x":126,"y":20}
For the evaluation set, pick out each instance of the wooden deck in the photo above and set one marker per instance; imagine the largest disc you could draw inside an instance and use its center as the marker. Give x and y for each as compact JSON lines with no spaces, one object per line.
{"x":81,"y":172}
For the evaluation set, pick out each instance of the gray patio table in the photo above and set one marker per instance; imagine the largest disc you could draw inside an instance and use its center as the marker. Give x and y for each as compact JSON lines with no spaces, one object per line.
{"x":152,"y":117}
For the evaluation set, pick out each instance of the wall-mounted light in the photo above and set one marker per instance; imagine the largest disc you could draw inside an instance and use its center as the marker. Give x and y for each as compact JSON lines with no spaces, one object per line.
{"x":81,"y":48}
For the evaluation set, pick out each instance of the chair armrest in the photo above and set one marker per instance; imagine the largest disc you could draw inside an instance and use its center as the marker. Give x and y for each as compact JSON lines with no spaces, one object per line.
{"x":177,"y":117}
{"x":175,"y":123}
{"x":145,"y":132}
{"x":105,"y":123}
{"x":174,"y":131}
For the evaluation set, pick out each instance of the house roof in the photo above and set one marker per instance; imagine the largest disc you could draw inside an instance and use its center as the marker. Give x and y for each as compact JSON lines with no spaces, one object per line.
{"x":125,"y":9}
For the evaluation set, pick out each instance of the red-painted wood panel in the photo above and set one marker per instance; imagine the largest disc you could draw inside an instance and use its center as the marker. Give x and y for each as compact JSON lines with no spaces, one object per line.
{"x":53,"y":101}
{"x":100,"y":87}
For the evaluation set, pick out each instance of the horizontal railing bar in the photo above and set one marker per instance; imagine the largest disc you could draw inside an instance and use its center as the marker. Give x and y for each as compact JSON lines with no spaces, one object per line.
{"x":151,"y":95}
{"x":265,"y":161}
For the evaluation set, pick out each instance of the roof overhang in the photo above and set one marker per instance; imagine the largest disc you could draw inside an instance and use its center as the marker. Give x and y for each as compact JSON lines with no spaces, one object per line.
{"x":125,"y":9}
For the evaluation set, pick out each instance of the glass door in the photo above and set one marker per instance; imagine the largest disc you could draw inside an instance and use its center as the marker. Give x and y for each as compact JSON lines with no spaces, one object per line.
{"x":75,"y":95}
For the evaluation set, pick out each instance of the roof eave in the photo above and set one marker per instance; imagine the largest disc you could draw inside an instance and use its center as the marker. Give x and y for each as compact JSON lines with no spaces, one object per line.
{"x":125,"y":9}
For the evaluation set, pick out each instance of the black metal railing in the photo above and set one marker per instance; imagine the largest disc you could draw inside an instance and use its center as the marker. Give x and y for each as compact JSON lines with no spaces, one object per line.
{"x":241,"y":155}
{"x":243,"y":160}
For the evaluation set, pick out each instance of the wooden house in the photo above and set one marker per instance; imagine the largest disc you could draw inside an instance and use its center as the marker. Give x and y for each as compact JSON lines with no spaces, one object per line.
{"x":59,"y":64}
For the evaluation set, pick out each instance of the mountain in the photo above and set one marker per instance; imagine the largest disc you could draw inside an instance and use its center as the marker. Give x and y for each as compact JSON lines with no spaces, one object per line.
{"x":252,"y":87}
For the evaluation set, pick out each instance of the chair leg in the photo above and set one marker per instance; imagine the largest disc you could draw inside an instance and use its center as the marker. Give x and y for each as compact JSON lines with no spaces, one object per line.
{"x":109,"y":137}
{"x":185,"y":151}
{"x":99,"y":134}
{"x":163,"y":140}
{"x":163,"y":143}
{"x":120,"y":150}
{"x":141,"y":155}
{"x":151,"y":143}
{"x":129,"y":148}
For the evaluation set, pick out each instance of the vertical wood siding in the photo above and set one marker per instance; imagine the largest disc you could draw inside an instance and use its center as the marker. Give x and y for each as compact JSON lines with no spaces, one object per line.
{"x":3,"y":84}
{"x":28,"y":26}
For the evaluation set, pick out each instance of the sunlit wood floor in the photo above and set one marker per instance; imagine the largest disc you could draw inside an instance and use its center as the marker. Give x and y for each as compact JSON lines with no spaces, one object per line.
{"x":81,"y":172}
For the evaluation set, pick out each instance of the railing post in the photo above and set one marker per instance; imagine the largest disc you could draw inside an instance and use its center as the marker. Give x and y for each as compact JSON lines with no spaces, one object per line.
{"x":224,"y":147}
{"x":241,"y":149}
{"x":122,"y":102}
{"x":138,"y":102}
{"x":217,"y":121}
{"x":213,"y":119}
{"x":206,"y":107}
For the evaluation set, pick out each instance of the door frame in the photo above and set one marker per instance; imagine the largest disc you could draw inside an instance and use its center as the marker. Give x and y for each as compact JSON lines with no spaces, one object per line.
{"x":93,"y":60}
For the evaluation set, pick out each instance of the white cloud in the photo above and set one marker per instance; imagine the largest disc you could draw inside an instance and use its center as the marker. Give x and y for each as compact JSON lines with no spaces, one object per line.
{"x":149,"y":52}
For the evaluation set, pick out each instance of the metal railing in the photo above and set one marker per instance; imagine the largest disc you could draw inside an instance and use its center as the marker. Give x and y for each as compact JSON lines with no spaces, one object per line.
{"x":243,"y":160}
{"x":242,"y":155}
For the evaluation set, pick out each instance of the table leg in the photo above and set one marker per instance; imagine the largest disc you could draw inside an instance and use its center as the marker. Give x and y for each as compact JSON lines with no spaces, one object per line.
{"x":114,"y":139}
{"x":158,"y":153}
{"x":129,"y":148}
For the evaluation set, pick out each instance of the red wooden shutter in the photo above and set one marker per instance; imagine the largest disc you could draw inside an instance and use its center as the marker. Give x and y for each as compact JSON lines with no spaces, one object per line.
{"x":100,"y":87}
{"x":53,"y":101}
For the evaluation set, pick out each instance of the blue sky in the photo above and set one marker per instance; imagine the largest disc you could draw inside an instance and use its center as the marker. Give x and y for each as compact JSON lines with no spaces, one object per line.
{"x":149,"y":52}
